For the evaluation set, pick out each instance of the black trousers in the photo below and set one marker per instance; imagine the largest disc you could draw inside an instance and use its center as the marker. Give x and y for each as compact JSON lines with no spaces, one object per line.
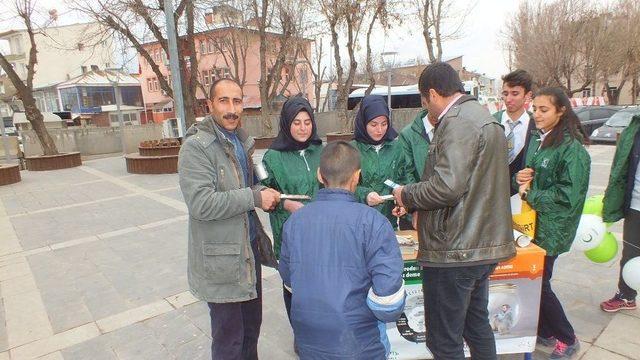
{"x":631,"y":236}
{"x":455,"y":301}
{"x":235,"y":327}
{"x":552,"y":320}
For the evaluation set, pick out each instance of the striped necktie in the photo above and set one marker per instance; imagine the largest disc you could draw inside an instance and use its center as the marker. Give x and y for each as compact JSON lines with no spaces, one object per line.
{"x":510,"y":140}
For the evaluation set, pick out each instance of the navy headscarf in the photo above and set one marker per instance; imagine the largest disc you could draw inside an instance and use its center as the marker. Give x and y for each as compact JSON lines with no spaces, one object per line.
{"x":371,"y":107}
{"x":285,"y":141}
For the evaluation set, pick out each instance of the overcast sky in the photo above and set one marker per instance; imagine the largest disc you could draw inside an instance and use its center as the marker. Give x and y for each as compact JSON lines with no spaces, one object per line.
{"x":480,"y":41}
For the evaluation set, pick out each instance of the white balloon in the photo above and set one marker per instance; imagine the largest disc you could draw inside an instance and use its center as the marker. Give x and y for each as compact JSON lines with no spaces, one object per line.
{"x":631,"y":273}
{"x":591,"y":230}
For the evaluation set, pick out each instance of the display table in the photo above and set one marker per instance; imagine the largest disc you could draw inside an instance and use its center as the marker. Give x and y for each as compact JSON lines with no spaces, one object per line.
{"x":514,"y":303}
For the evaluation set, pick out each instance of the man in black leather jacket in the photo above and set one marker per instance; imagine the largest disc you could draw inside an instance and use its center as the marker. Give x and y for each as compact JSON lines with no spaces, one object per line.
{"x":464,"y":216}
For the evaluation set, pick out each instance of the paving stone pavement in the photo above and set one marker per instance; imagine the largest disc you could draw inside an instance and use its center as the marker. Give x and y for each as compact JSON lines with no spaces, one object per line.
{"x":93,"y":266}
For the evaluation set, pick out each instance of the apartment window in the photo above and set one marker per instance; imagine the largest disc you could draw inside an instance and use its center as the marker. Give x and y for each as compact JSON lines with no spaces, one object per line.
{"x":211,"y":46}
{"x":203,"y":47}
{"x":17,"y":45}
{"x":149,"y":85}
{"x":206,"y":77}
{"x":128,"y":119}
{"x":222,"y":73}
{"x":586,"y":92}
{"x":155,"y":84}
{"x":302,"y":73}
{"x":97,"y":96}
{"x":156,"y":56}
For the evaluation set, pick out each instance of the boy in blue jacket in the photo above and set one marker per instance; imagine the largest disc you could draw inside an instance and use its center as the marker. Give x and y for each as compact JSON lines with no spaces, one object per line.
{"x":341,"y":261}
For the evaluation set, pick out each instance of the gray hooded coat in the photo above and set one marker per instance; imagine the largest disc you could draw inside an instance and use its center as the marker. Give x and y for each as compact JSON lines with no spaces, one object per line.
{"x":221,"y":264}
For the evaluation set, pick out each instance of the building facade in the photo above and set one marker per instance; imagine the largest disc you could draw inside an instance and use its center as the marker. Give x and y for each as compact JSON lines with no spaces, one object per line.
{"x":63,"y":53}
{"x":92,"y":96}
{"x":213,"y":64}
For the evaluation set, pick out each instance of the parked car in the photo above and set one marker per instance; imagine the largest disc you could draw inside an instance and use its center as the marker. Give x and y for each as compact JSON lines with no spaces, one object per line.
{"x":608,"y":133}
{"x":593,"y":117}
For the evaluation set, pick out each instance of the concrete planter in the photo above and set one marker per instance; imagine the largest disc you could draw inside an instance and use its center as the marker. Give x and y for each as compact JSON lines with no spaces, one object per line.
{"x":9,"y":174}
{"x":339,"y":137}
{"x":140,"y":164}
{"x":53,"y":162}
{"x":159,"y":151}
{"x":264,"y":142}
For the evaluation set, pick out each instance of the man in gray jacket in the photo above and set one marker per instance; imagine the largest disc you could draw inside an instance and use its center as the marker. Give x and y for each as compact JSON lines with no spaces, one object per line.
{"x":227,"y":244}
{"x":464,"y":216}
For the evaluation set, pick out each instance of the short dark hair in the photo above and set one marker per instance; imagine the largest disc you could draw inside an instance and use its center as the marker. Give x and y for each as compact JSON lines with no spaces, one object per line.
{"x":441,"y":77}
{"x":519,"y":77}
{"x":215,"y":83}
{"x":338,"y":162}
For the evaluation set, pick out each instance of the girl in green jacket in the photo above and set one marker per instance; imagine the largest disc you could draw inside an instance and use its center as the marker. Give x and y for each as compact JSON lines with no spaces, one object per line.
{"x":292,"y":162}
{"x":555,"y":184}
{"x":381,"y":157}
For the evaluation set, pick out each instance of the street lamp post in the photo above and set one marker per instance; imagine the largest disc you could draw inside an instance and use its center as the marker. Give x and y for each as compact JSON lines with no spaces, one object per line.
{"x":391,"y":59}
{"x":174,"y":64}
{"x":118,"y":96}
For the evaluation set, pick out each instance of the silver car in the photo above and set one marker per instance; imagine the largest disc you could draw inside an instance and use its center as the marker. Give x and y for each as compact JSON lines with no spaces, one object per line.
{"x":608,"y":133}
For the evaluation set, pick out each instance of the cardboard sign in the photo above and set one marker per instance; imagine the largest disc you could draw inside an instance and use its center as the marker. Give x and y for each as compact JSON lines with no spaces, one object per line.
{"x":514,"y":303}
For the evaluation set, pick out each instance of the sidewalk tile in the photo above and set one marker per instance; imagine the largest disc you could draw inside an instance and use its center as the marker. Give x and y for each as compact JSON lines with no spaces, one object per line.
{"x":56,"y":342}
{"x":132,"y":316}
{"x":621,"y":336}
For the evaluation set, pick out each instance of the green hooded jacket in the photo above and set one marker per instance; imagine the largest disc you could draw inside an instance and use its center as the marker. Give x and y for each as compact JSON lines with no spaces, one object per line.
{"x":613,"y":209}
{"x":558,"y":191}
{"x":293,"y":173}
{"x":415,"y":145}
{"x":389,"y":163}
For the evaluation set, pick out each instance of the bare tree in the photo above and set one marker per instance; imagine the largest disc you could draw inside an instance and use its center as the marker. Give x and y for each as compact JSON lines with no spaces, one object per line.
{"x":25,"y":10}
{"x":378,"y":14}
{"x":344,"y":16}
{"x":318,"y":70}
{"x":623,"y":58}
{"x":434,"y":15}
{"x":232,"y":44}
{"x":138,"y":21}
{"x":279,"y":51}
{"x":554,"y":42}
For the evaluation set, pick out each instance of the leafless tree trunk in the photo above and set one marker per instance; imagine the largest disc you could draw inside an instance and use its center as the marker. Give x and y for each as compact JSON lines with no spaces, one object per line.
{"x":317,"y":70}
{"x":233,"y":44}
{"x":125,"y":17}
{"x":433,"y":14}
{"x":24,"y":10}
{"x":277,"y":50}
{"x":573,"y":46}
{"x":344,"y":16}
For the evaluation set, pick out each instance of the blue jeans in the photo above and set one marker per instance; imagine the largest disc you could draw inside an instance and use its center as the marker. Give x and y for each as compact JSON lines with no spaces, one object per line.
{"x":455,"y":301}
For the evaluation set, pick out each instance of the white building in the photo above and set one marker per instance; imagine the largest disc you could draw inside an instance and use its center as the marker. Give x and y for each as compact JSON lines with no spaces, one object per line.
{"x":64,"y":52}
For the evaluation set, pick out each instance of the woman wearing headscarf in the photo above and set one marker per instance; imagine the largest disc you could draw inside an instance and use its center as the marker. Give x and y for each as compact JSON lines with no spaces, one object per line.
{"x":292,"y":162}
{"x":381,"y":157}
